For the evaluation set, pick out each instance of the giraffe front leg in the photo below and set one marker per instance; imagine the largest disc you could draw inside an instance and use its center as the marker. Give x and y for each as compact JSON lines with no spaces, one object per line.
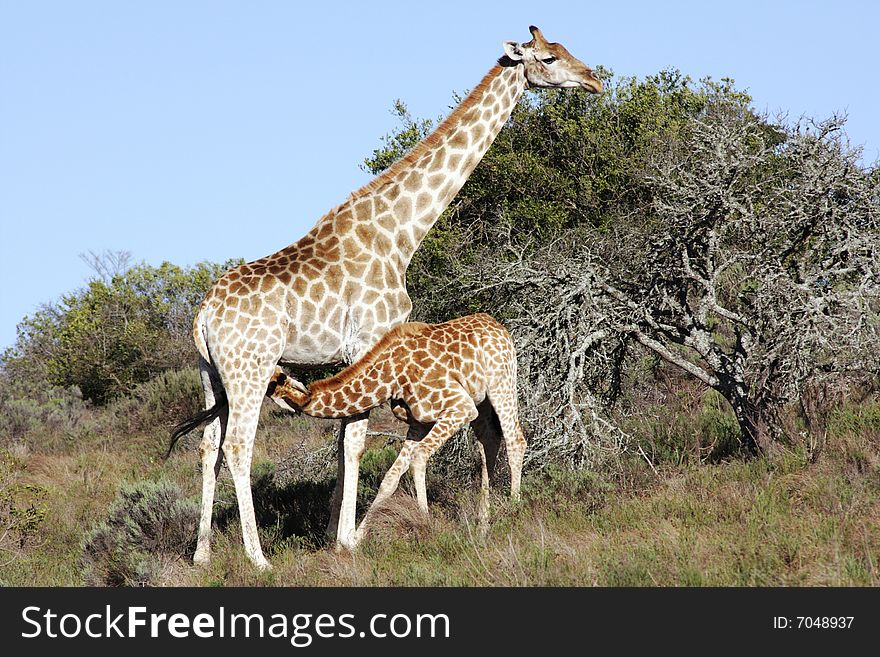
{"x":336,"y":497}
{"x":410,"y":453}
{"x":389,"y":484}
{"x":417,"y":431}
{"x":353,"y":439}
{"x":419,"y":470}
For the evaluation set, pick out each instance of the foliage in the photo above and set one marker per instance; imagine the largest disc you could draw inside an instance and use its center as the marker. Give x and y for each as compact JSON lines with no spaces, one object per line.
{"x":149,"y":523}
{"x":23,"y":510}
{"x":116,"y":332}
{"x":663,"y":215}
{"x":400,"y":141}
{"x":753,"y":265}
{"x":161,"y":401}
{"x":565,"y":161}
{"x":49,"y":410}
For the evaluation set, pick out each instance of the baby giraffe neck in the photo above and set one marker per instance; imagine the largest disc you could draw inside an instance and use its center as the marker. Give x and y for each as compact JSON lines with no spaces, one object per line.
{"x":340,"y":399}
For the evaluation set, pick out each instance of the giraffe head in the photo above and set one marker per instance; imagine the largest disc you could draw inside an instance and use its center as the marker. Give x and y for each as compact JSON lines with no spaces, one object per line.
{"x":288,"y":392}
{"x":550,"y":64}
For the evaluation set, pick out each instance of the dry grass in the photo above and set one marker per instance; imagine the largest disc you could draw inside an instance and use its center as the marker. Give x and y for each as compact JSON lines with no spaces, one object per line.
{"x":733,"y":522}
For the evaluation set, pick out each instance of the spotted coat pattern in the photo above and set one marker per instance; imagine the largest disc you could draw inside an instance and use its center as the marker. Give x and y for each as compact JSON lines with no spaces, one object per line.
{"x":327,"y":298}
{"x":444,"y":376}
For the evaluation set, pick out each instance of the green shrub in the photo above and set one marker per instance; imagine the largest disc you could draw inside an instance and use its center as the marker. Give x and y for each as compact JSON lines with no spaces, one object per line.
{"x":121,"y":329}
{"x":22,"y":510}
{"x":30,"y":416}
{"x":559,"y":488}
{"x":719,"y":432}
{"x":148,"y":525}
{"x":374,"y":464}
{"x":685,"y":432}
{"x":854,"y":419}
{"x":162,"y":401}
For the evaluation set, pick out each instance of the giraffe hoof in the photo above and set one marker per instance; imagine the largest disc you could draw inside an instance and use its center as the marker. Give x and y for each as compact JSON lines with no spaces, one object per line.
{"x":262,"y":564}
{"x":348,"y":543}
{"x":201,"y":557}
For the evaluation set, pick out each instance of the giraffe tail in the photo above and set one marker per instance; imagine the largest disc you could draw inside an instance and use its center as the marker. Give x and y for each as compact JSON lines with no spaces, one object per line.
{"x":194,"y":422}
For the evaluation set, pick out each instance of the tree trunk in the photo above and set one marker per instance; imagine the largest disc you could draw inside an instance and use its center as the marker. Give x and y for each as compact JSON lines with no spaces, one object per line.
{"x":755,"y":421}
{"x":748,"y":425}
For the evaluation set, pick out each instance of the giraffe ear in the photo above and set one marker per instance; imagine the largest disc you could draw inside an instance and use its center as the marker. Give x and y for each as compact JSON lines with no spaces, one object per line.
{"x":512,"y":50}
{"x":298,"y":385}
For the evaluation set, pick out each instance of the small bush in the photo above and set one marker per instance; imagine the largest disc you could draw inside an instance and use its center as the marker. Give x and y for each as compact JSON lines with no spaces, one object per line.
{"x":148,"y":525}
{"x":162,"y":401}
{"x":855,"y":419}
{"x":374,"y":464}
{"x":30,"y":416}
{"x":558,"y":488}
{"x":22,"y":510}
{"x":719,"y":432}
{"x":691,"y":428}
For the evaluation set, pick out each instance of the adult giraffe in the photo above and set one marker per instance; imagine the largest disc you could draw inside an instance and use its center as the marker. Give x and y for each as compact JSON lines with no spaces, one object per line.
{"x":326,"y":299}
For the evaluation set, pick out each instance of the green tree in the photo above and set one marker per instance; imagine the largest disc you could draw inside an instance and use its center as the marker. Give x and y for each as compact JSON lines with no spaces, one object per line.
{"x":662,"y":216}
{"x":122,"y":329}
{"x":566,"y":161}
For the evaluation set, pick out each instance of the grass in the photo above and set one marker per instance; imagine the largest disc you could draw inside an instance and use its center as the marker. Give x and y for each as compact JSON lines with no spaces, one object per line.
{"x":701,"y":521}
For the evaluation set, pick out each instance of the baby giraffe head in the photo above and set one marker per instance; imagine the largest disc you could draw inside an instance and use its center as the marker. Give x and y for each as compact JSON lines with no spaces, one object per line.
{"x":288,"y":392}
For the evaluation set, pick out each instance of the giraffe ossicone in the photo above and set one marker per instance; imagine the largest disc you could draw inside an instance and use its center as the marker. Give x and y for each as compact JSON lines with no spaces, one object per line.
{"x":445,"y":376}
{"x":329,"y":297}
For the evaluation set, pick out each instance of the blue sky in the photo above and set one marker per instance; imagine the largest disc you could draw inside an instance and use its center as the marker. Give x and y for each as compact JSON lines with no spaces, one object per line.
{"x":190,"y":131}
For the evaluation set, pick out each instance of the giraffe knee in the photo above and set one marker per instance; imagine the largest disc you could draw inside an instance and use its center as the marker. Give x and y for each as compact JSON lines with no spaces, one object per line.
{"x":234,"y":450}
{"x":400,"y":413}
{"x":208,"y":446}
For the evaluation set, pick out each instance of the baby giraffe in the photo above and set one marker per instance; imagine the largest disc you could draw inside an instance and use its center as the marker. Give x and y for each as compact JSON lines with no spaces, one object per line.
{"x":438,"y":377}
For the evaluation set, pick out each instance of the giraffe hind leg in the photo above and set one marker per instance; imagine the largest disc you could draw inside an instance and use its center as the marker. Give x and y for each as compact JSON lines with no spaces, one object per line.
{"x":487,"y":432}
{"x":505,"y":404}
{"x":211,"y":458}
{"x":244,"y":413}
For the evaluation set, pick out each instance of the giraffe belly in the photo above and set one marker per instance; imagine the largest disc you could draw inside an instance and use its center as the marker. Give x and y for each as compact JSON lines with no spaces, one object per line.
{"x":340,"y":332}
{"x":313,"y":351}
{"x":342,"y":345}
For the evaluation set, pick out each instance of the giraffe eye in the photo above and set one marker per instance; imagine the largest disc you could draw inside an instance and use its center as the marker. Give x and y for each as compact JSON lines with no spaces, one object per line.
{"x":548,"y":60}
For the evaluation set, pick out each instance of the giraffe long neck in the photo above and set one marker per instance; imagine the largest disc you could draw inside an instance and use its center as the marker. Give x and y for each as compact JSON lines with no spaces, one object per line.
{"x":403,"y":203}
{"x":356,"y":389}
{"x":459,"y":144}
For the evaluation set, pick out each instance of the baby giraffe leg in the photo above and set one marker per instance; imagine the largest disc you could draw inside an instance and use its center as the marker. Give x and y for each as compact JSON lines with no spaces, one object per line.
{"x":387,"y":487}
{"x":487,"y":432}
{"x":417,"y":432}
{"x":439,"y":434}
